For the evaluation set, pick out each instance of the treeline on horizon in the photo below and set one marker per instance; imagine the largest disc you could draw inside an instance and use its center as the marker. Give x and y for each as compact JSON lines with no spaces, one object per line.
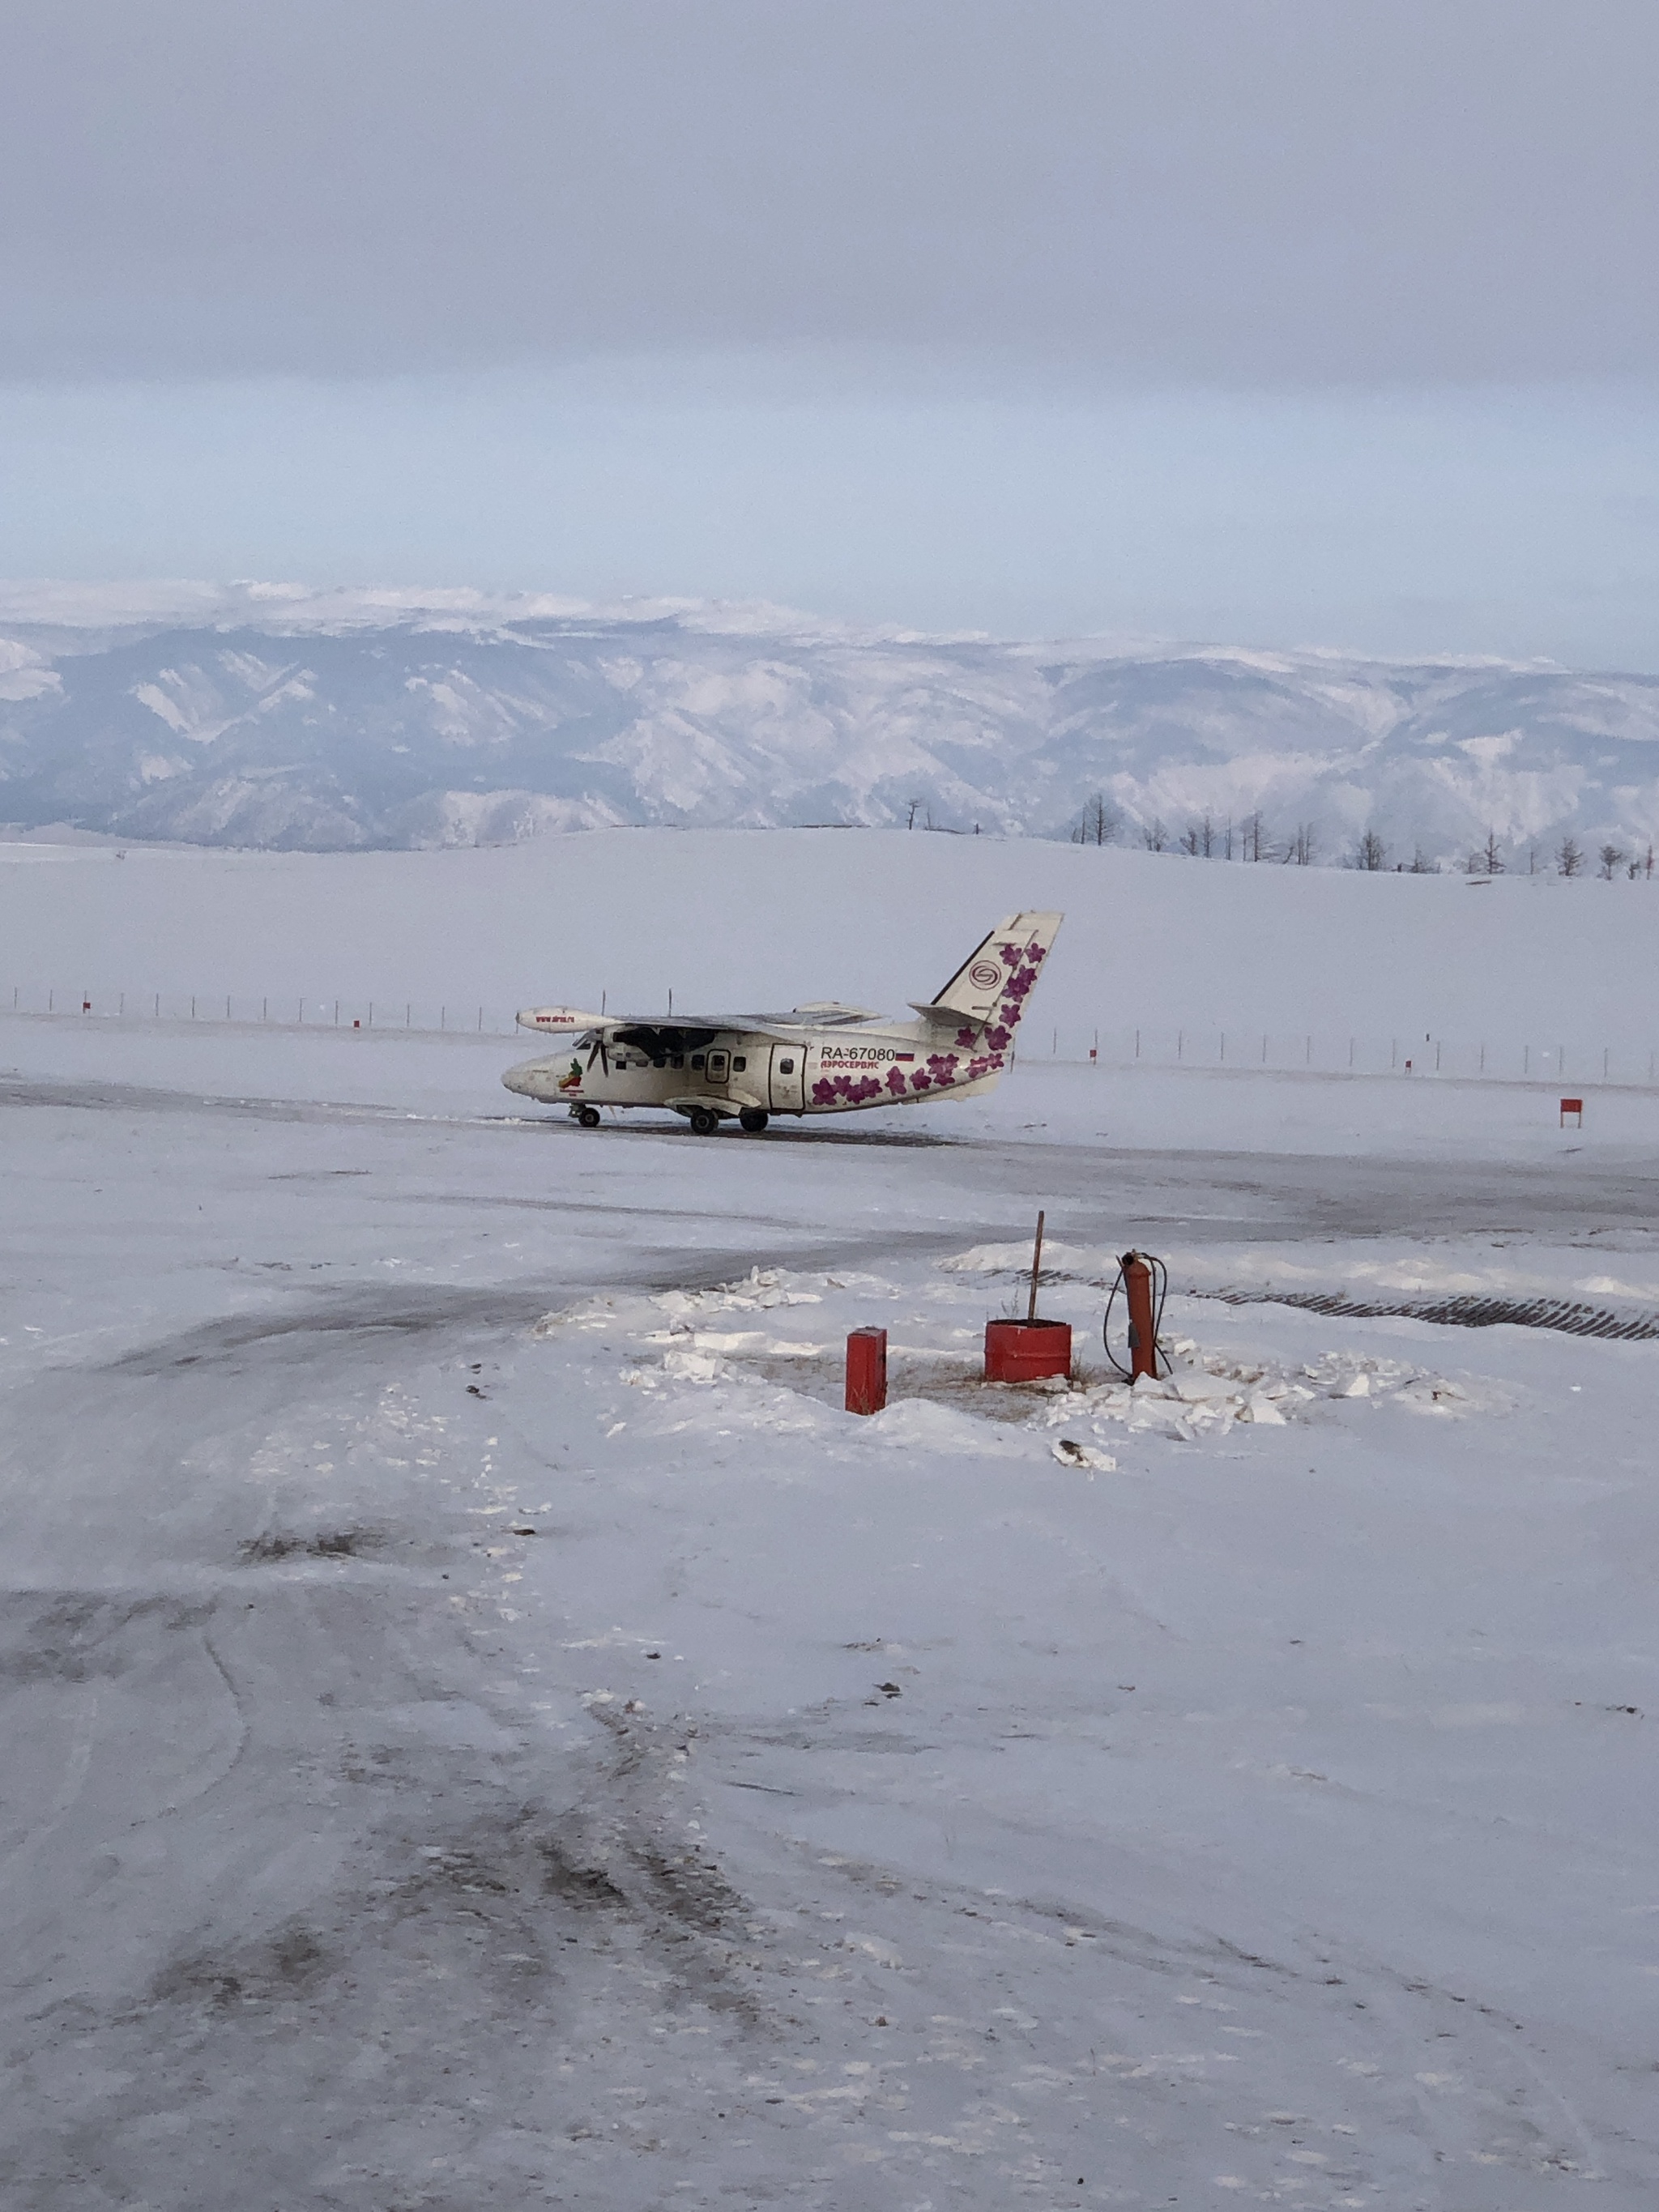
{"x":1102,"y":823}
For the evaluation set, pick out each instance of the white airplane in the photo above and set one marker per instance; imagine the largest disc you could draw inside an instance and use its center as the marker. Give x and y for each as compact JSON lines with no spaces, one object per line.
{"x":821,"y":1059}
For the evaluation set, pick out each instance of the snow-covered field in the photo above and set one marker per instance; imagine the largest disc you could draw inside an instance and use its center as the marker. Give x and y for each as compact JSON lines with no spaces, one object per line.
{"x":762,"y":918}
{"x":485,"y":1728}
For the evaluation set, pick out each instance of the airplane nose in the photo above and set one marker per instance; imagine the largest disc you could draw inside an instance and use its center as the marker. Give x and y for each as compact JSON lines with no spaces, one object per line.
{"x":518,"y":1078}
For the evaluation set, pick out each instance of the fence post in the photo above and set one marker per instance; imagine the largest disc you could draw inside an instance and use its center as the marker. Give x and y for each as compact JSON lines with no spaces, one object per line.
{"x":866,"y":1371}
{"x":1308,"y":1055}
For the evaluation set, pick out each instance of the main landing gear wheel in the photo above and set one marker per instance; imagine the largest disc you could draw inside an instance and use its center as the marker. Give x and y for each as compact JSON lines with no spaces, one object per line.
{"x":752,"y":1119}
{"x":588,"y":1117}
{"x":704,"y":1121}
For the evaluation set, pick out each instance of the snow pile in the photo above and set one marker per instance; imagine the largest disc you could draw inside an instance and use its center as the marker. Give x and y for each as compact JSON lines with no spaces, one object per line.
{"x":663,"y":1347}
{"x":1206,"y":1397}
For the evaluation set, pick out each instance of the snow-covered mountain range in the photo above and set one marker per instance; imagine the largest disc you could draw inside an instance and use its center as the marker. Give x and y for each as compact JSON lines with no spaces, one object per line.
{"x":268,"y":715}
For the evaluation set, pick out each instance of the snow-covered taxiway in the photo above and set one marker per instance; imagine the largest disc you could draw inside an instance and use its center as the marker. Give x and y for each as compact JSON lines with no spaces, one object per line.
{"x":483,"y":1729}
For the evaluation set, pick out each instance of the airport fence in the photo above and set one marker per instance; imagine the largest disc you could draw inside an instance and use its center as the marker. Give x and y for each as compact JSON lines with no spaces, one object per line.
{"x":270,"y":1010}
{"x":1239,"y":1050}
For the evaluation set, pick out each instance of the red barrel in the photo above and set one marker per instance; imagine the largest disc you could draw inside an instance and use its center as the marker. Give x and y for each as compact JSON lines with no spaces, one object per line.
{"x":1026,"y":1350}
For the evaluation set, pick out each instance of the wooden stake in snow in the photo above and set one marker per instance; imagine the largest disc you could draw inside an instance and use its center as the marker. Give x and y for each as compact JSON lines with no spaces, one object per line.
{"x":1036,"y":1263}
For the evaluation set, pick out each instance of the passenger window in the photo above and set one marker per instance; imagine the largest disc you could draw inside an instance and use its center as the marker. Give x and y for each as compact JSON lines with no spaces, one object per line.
{"x":696,"y":1060}
{"x":659,"y":1063}
{"x":786,"y":1067}
{"x":678,"y":1061}
{"x":738,"y":1063}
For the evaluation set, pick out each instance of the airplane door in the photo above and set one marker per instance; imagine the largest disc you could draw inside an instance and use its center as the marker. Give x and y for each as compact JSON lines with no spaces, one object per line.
{"x":788,"y":1079}
{"x":719,"y":1070}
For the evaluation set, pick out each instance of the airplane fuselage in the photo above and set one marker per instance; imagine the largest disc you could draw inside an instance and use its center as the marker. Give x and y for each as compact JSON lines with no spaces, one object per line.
{"x":738,"y":1072}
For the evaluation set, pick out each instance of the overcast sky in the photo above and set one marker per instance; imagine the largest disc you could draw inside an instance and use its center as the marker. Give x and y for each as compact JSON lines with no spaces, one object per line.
{"x":1286,"y":313}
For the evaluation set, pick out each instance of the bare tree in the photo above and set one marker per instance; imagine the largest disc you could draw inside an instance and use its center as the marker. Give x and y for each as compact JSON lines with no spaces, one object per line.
{"x":1253,"y":834}
{"x":1422,"y":866}
{"x":1302,"y":845}
{"x":1099,"y":824}
{"x":1569,"y":857}
{"x":1612,"y":861}
{"x":915,"y":809}
{"x":1370,"y":853}
{"x":1155,"y":838}
{"x":1492,"y":859}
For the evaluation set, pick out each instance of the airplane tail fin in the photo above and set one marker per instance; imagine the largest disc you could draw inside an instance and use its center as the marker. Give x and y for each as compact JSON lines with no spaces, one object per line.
{"x":990,"y":988}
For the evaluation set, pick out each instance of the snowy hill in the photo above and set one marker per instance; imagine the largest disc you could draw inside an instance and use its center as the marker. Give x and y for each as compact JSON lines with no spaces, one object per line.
{"x":265,"y":716}
{"x":1298,"y":960}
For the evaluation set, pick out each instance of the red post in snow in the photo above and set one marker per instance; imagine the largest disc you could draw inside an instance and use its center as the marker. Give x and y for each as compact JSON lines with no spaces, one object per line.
{"x":866,"y":1371}
{"x":1138,"y":1289}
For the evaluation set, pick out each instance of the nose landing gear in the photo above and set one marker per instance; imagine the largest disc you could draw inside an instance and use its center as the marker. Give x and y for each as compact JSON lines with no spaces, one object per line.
{"x":588,"y":1117}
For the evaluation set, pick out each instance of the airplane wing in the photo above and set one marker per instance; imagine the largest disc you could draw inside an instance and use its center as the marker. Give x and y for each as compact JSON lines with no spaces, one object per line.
{"x":828,"y":1014}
